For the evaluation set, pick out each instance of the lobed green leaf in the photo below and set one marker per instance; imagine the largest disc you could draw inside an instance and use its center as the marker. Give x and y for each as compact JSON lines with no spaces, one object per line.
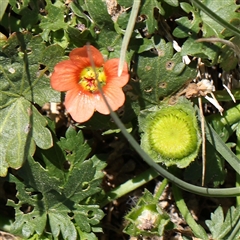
{"x":24,"y":79}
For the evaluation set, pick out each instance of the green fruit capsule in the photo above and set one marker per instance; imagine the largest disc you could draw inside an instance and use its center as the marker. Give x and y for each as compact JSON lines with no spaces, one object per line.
{"x":170,"y":133}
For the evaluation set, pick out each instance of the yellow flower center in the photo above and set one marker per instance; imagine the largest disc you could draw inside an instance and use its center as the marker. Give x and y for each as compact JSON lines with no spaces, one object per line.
{"x":89,"y":78}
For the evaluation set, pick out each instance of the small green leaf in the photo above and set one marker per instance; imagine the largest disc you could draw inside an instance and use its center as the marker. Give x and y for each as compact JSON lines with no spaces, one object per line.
{"x":99,"y":14}
{"x":78,"y":154}
{"x":148,"y":9}
{"x":29,"y":11}
{"x":222,"y":148}
{"x":59,"y":223}
{"x":110,"y":40}
{"x":188,"y":27}
{"x":54,"y":20}
{"x":3,"y":6}
{"x":173,"y":3}
{"x":78,"y":38}
{"x":85,"y":235}
{"x":219,"y":226}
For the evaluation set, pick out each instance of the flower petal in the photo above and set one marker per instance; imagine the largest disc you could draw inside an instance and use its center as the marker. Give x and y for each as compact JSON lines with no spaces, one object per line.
{"x":80,"y":105}
{"x":111,"y":71}
{"x":65,"y":76}
{"x":114,"y":96}
{"x":82,"y":54}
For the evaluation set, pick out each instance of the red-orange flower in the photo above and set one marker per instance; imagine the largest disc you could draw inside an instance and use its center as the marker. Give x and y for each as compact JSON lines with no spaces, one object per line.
{"x":77,"y":77}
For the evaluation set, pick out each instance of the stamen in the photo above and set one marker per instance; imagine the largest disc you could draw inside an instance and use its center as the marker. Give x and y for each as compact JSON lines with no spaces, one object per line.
{"x":88,"y":79}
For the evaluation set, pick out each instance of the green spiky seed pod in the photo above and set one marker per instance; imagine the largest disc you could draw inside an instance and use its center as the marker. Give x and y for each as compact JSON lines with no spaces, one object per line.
{"x":147,"y":218}
{"x":170,"y":133}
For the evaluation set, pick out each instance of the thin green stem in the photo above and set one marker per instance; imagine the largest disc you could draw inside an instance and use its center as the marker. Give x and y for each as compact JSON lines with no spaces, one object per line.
{"x":128,"y":34}
{"x":161,"y":188}
{"x":235,"y":231}
{"x":222,"y":148}
{"x":234,"y":47}
{"x":230,"y":192}
{"x":223,"y":96}
{"x":197,"y":229}
{"x":217,"y":18}
{"x":238,"y":185}
{"x":213,"y":192}
{"x":238,"y":155}
{"x":129,"y":186}
{"x":229,"y":117}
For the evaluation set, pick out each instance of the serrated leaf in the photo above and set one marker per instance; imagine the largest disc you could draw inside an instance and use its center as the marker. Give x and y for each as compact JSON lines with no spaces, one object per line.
{"x":87,"y":215}
{"x":23,"y":70}
{"x":54,"y":20}
{"x":57,"y":198}
{"x":220,"y":227}
{"x":110,"y":39}
{"x":187,"y":27}
{"x":77,"y":154}
{"x":80,"y":186}
{"x":78,"y":8}
{"x":147,"y":9}
{"x":59,"y":223}
{"x":78,"y":38}
{"x":19,"y":6}
{"x":53,"y":158}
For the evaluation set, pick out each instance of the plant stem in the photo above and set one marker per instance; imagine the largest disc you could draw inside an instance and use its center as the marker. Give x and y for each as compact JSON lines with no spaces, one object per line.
{"x":196,"y":228}
{"x":129,"y":186}
{"x":223,"y":96}
{"x":161,"y":189}
{"x":234,"y":232}
{"x":229,"y":117}
{"x":128,"y":34}
{"x":217,"y":18}
{"x":230,"y":192}
{"x":238,"y":155}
